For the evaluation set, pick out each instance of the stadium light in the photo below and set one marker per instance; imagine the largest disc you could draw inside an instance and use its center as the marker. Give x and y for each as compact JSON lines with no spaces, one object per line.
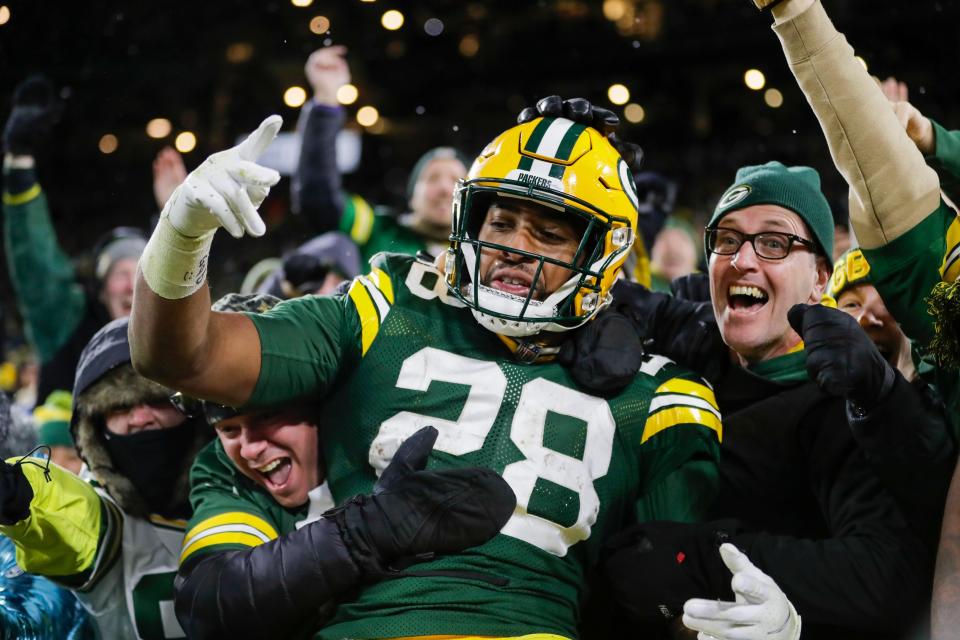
{"x":185,"y":142}
{"x":367,"y":116}
{"x":391,"y":20}
{"x":294,"y":96}
{"x":634,"y":113}
{"x":108,"y":143}
{"x":754,"y":79}
{"x":347,"y":94}
{"x":618,"y":94}
{"x":159,"y":128}
{"x":773,"y":98}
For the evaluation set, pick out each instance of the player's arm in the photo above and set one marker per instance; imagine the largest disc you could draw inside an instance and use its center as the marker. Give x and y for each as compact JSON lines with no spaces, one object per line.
{"x":679,"y":449}
{"x":61,"y":527}
{"x":174,"y":337}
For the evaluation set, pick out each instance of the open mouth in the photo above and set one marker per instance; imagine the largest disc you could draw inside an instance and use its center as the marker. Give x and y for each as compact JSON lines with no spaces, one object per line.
{"x":513,"y":281}
{"x":276,"y":473}
{"x":746,"y":298}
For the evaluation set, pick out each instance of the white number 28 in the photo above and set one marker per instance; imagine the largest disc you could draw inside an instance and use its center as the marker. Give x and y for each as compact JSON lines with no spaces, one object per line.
{"x":488,"y":385}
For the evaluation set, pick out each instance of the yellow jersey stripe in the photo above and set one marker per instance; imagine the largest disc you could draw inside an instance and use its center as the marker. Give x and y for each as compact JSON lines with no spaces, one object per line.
{"x":245,"y":539}
{"x":666,"y":400}
{"x":382,"y":280}
{"x":674,"y":416}
{"x":362,"y":220}
{"x":950,"y":269}
{"x":690,"y":388}
{"x":232,"y":518}
{"x":379,"y":300}
{"x":369,"y":321}
{"x":21,"y":198}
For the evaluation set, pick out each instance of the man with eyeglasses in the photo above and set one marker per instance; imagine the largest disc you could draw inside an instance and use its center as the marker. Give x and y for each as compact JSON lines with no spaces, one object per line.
{"x":820,"y":536}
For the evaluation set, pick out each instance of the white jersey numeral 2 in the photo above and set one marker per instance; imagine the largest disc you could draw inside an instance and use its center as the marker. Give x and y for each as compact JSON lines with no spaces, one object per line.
{"x":538,"y":397}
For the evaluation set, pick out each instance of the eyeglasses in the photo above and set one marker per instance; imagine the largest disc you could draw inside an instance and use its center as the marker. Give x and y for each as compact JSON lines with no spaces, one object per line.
{"x":193,"y":408}
{"x":771,"y":245}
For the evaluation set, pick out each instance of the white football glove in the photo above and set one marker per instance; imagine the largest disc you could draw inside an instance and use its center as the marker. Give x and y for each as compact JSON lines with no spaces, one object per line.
{"x":226,"y":189}
{"x":761,"y":610}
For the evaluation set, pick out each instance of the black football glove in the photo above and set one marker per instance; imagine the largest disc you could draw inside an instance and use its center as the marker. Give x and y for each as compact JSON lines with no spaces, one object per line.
{"x":581,"y":111}
{"x":35,"y":111}
{"x":15,"y":494}
{"x":654,"y":567}
{"x":413,"y":514}
{"x":841,"y":358}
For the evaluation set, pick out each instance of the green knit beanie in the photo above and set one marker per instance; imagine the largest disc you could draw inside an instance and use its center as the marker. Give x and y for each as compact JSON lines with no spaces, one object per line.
{"x":793,"y":188}
{"x":437,"y":153}
{"x":53,"y":420}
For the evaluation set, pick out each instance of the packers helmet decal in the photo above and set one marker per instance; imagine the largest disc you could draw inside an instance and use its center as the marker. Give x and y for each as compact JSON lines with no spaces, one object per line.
{"x":570,"y":169}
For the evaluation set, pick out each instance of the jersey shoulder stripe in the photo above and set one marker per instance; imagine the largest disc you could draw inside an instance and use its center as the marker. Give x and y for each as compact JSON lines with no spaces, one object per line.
{"x":373,"y":295}
{"x":681,"y":398}
{"x":232,"y":527}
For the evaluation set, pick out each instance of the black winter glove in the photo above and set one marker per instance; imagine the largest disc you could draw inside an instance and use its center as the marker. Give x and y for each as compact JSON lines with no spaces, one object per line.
{"x":414,"y":514}
{"x":15,"y":494}
{"x":604,"y":356}
{"x":580,"y":110}
{"x":841,"y":358}
{"x":35,"y":111}
{"x":654,"y":567}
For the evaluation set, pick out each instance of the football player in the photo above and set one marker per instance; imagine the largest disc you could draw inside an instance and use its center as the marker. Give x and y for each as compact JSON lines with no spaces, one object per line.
{"x":542,"y":224}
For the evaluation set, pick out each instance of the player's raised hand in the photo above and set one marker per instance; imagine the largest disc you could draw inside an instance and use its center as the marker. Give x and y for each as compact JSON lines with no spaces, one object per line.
{"x":327,"y":71}
{"x":226,"y":189}
{"x":761,"y":611}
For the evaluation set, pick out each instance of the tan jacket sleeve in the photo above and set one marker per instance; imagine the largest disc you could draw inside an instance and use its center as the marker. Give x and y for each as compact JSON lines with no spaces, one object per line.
{"x":891,"y":187}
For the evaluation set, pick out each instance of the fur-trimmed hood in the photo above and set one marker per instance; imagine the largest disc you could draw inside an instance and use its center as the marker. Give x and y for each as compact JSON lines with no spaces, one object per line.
{"x":105,"y":381}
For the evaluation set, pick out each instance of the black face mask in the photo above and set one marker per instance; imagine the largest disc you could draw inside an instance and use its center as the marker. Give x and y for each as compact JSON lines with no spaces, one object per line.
{"x":154,"y":460}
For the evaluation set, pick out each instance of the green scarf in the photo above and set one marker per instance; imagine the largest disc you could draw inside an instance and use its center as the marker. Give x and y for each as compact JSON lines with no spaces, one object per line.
{"x":788,"y":368}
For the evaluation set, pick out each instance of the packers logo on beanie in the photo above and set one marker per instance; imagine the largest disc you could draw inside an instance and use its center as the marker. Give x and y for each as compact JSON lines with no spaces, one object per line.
{"x":793,"y":188}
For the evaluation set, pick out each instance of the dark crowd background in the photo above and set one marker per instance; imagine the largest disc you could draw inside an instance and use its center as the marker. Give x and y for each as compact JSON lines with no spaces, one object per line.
{"x":217,"y":68}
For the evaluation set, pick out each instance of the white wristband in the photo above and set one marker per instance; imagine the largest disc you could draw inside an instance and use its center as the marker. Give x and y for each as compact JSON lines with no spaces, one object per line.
{"x":175,"y":265}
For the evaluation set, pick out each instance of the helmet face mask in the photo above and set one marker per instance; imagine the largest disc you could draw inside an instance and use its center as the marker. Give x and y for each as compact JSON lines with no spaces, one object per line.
{"x":589,"y":187}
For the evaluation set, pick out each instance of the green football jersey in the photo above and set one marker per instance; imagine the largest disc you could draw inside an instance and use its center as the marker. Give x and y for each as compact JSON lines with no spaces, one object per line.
{"x":396,"y":354}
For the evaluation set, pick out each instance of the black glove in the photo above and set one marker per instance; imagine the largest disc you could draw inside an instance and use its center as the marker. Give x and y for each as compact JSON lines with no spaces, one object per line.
{"x":580,"y":110}
{"x":414,"y":514}
{"x":654,"y":567}
{"x":15,"y":494}
{"x":304,"y":272}
{"x":841,"y":358}
{"x":604,"y":356}
{"x":35,"y":111}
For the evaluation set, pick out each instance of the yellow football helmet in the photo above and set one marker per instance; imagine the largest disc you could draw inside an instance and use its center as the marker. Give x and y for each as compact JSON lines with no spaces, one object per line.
{"x":564,"y":166}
